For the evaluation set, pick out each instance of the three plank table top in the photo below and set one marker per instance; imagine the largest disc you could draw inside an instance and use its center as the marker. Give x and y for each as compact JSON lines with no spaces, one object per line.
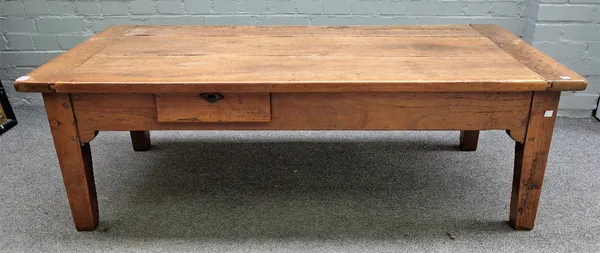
{"x":447,"y":77}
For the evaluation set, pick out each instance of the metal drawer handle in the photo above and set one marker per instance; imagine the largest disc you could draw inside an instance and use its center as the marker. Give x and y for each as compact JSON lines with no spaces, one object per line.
{"x":212,"y":97}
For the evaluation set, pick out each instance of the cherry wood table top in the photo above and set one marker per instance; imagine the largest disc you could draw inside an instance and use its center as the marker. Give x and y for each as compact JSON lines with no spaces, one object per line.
{"x":175,"y":59}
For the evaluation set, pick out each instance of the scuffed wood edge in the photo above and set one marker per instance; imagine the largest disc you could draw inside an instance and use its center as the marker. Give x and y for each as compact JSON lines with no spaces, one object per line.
{"x":285,"y":87}
{"x":543,"y":65}
{"x":531,"y":159}
{"x":42,"y":78}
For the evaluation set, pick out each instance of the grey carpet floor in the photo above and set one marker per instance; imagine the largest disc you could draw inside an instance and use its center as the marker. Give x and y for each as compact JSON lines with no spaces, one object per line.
{"x":299,"y":192}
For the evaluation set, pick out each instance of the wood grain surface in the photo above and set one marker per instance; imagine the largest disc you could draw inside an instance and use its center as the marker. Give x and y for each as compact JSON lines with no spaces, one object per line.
{"x":178,"y":59}
{"x":325,"y":111}
{"x":75,"y":161}
{"x":41,"y":79}
{"x":303,"y":46}
{"x":530,"y":160}
{"x":558,"y":76}
{"x":233,"y":107}
{"x":296,"y":73}
{"x":308,"y":31}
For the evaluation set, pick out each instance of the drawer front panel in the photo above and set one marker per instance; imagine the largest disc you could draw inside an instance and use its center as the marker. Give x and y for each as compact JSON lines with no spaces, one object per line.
{"x":213,"y":107}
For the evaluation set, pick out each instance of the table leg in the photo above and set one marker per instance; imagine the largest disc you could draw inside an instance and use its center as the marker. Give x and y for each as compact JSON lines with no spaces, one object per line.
{"x":140,"y":140}
{"x":75,"y":161}
{"x":530,"y":160}
{"x":468,"y":140}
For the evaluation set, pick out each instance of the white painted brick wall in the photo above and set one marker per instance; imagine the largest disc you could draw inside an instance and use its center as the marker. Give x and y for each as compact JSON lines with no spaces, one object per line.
{"x":33,"y":31}
{"x":569,"y":31}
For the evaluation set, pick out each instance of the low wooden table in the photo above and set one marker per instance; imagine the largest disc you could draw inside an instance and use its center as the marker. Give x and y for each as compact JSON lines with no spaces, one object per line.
{"x":459,"y":77}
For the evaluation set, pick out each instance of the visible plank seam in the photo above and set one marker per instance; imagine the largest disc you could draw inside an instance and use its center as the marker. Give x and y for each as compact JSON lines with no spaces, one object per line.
{"x":549,"y":69}
{"x":75,"y":120}
{"x":550,"y":82}
{"x":271,"y":105}
{"x":51,"y":86}
{"x":529,"y":118}
{"x":231,"y":31}
{"x":529,"y":183}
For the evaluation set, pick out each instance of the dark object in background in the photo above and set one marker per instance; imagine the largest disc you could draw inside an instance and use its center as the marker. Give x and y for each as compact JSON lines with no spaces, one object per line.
{"x":7,"y":116}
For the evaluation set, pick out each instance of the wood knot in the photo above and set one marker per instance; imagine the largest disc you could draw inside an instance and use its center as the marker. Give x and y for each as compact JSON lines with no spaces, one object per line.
{"x":55,"y":124}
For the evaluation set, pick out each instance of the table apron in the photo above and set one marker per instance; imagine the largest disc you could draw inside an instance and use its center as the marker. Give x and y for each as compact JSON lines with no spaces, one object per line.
{"x":324,"y":111}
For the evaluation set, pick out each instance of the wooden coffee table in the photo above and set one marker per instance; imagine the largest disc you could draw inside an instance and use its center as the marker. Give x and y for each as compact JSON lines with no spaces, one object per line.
{"x":457,"y":77}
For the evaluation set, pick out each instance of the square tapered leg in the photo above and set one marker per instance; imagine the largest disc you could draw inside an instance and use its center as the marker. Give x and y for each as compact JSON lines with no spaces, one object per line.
{"x":530,"y":160}
{"x":75,"y":161}
{"x":140,"y":140}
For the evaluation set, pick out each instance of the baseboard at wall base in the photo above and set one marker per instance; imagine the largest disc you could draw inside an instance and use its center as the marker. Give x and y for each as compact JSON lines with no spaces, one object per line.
{"x":578,"y":104}
{"x":575,"y":113}
{"x":578,"y":101}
